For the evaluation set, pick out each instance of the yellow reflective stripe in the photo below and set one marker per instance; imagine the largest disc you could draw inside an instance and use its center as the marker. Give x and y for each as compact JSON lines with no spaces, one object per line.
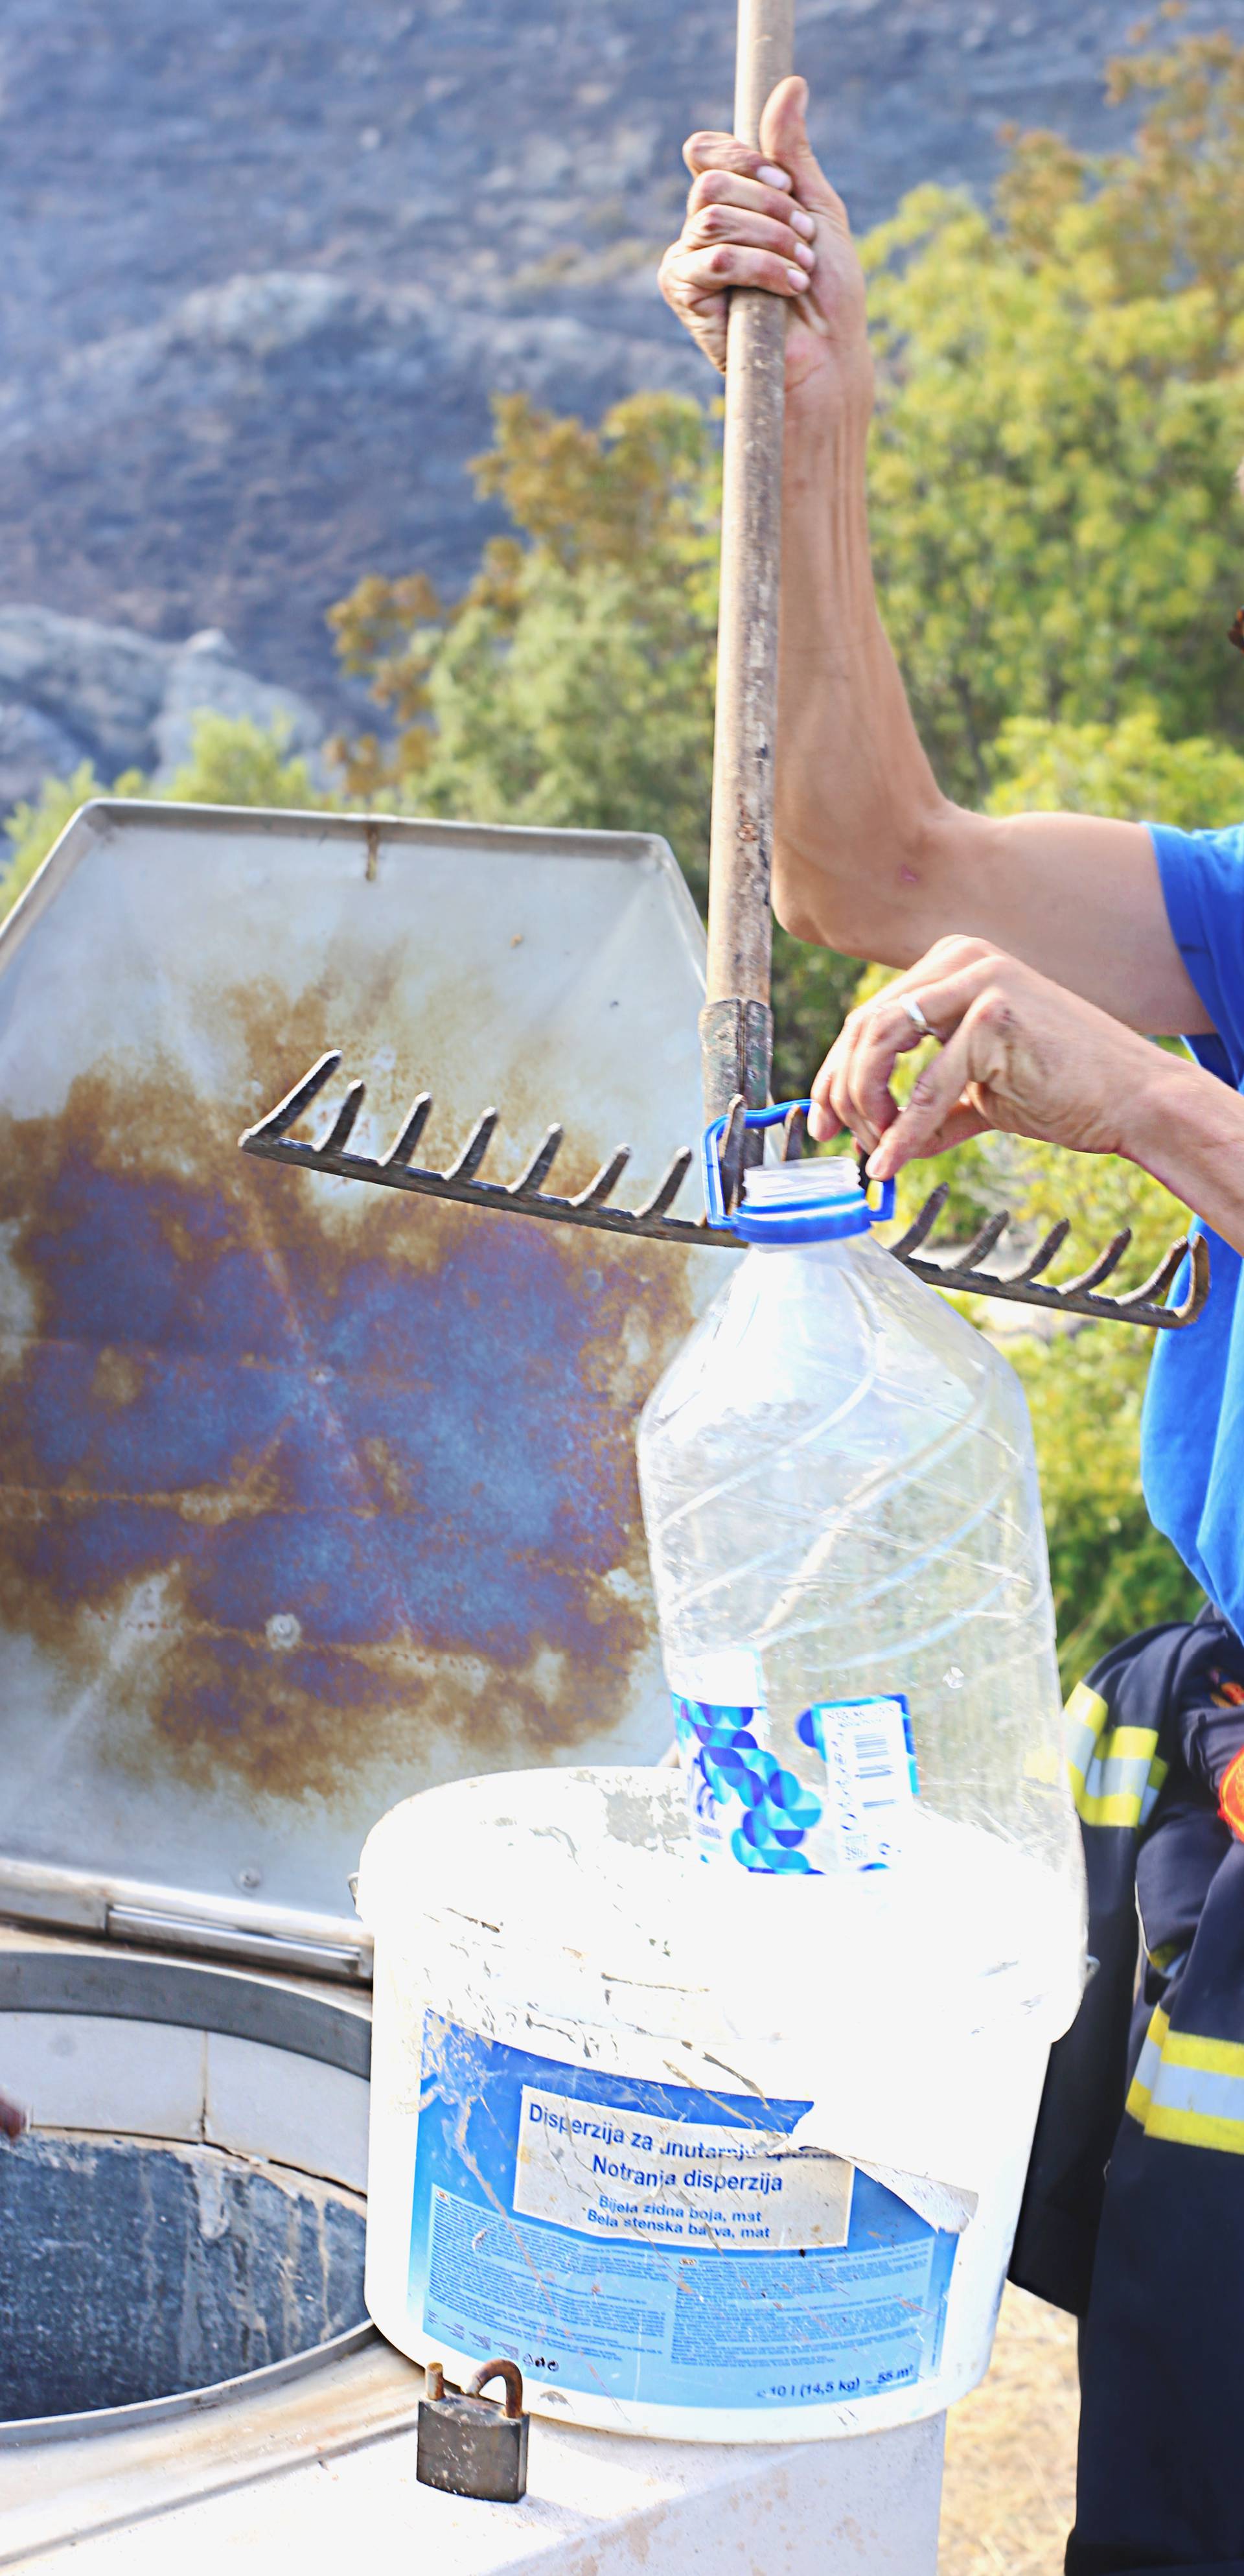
{"x":1084,"y":1717}
{"x":1130,"y":1742}
{"x":1115,"y":1771}
{"x":1119,"y":1790}
{"x":1148,"y":2067}
{"x":1189,"y":2089}
{"x":1195,"y":2129}
{"x":1129,"y":1800}
{"x":1085,"y":1708}
{"x":1117,"y":1761}
{"x":1109,"y":1811}
{"x":1208,"y":2056}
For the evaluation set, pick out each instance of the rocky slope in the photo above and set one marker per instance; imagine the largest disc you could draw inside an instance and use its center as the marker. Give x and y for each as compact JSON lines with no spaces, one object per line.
{"x":72,"y":689}
{"x":265,"y":259}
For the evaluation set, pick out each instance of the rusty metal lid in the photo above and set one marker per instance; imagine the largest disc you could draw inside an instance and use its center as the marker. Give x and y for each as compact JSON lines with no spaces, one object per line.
{"x":312,"y":1495}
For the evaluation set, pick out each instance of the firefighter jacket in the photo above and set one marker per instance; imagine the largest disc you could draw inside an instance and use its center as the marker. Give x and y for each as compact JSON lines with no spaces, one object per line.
{"x":1133,"y":2216}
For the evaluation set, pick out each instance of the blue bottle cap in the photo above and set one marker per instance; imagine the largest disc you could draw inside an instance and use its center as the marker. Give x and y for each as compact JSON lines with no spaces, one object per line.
{"x":818,"y":1200}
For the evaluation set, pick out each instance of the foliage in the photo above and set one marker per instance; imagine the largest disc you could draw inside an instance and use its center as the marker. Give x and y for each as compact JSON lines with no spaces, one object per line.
{"x":1061,"y":417}
{"x":233,"y":761}
{"x":1111,"y":1570}
{"x":1128,"y":769}
{"x":1172,"y":207}
{"x":812,"y":991}
{"x":573,"y":682}
{"x":32,"y":829}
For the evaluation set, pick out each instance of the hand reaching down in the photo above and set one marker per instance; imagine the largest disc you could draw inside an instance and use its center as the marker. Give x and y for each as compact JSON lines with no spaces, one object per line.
{"x":1018,"y":1053}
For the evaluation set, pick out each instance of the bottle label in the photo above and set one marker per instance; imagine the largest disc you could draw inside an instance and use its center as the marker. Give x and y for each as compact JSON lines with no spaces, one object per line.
{"x":651,"y":2242}
{"x":837,"y":1801}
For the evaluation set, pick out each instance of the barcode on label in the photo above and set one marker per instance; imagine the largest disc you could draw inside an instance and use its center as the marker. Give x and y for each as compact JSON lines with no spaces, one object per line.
{"x":872,"y":1756}
{"x":870,"y":1774}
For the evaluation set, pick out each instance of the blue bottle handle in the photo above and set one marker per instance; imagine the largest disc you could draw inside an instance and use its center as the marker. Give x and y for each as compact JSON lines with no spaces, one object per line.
{"x":714,"y":1196}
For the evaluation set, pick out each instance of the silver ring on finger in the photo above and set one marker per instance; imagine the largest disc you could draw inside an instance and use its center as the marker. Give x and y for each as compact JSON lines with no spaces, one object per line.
{"x":911,"y":1003}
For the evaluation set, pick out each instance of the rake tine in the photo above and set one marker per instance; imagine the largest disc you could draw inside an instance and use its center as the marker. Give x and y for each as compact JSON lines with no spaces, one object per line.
{"x":982,"y":1244}
{"x":416,"y":1121}
{"x":922,"y":1225}
{"x":606,"y":1180}
{"x":541,"y":1163}
{"x":1154,"y":1288}
{"x":1198,"y":1282}
{"x":1101,"y":1268}
{"x":667,"y":1190}
{"x":1053,"y":1242}
{"x":270,"y":1138}
{"x":339,"y":1133}
{"x":794,"y":1136}
{"x":279,"y":1120}
{"x":731,"y":1157}
{"x":475,"y":1148}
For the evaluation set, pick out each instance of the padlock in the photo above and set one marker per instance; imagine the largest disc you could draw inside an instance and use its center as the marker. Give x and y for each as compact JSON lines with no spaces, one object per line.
{"x":466,"y":2445}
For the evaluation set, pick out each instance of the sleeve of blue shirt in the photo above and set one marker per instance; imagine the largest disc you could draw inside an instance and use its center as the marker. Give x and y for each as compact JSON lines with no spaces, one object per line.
{"x":1202,"y":877}
{"x":1193,"y":1435}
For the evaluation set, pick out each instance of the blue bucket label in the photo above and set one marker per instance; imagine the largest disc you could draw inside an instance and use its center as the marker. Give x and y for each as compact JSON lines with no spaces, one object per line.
{"x":658,"y":2244}
{"x":835,"y":1797}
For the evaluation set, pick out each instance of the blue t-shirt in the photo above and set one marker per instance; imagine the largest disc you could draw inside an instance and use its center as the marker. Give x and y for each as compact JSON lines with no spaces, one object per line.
{"x":1192,"y":1437}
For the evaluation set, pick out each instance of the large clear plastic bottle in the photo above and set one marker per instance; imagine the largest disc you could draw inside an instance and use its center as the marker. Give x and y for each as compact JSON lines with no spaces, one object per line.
{"x":843,"y":1515}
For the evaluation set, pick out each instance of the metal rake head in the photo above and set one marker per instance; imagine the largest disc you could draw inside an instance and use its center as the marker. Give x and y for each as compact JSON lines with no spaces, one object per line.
{"x":526,"y":1195}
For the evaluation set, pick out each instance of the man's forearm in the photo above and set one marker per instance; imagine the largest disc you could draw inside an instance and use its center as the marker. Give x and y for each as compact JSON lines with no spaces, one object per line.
{"x":857,"y":802}
{"x":870,"y":857}
{"x":1187,"y":1129}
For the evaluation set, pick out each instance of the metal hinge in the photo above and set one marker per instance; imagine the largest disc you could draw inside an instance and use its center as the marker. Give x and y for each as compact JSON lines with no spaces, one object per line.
{"x":145,"y":1923}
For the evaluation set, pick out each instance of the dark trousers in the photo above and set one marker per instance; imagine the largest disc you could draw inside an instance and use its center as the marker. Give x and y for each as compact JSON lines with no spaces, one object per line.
{"x":1161,"y":2465}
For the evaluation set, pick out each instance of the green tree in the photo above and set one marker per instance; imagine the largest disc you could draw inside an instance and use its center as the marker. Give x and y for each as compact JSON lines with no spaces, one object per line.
{"x":233,"y":761}
{"x":1060,"y":421}
{"x":572,"y":684}
{"x":1129,"y":769}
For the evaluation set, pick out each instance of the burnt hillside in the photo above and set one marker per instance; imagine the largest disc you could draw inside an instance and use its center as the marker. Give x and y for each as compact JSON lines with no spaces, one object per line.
{"x":264,"y":259}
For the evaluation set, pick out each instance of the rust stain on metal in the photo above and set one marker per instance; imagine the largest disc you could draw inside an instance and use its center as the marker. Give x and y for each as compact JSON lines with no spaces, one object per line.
{"x":300,"y":1480}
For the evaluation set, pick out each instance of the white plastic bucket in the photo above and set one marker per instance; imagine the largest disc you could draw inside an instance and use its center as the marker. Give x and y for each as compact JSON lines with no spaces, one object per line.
{"x":719,"y":2159}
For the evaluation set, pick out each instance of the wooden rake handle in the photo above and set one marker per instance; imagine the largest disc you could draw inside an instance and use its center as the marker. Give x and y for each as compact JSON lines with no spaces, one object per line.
{"x":736,"y":1024}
